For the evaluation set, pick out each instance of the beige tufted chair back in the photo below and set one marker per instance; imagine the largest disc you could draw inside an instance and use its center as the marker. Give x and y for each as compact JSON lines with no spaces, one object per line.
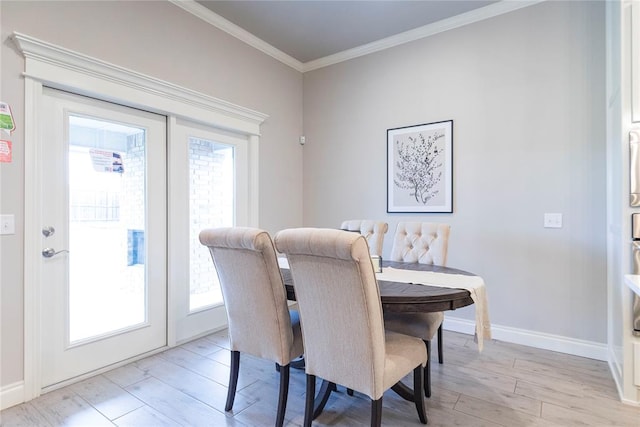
{"x":260,"y":322}
{"x":254,"y":293}
{"x":341,"y":316}
{"x":421,"y":242}
{"x":373,"y":231}
{"x":336,"y":286}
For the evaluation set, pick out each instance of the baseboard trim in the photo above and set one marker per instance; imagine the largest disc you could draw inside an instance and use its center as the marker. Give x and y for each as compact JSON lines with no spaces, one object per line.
{"x":616,"y":372}
{"x":11,"y":395}
{"x":589,"y":349}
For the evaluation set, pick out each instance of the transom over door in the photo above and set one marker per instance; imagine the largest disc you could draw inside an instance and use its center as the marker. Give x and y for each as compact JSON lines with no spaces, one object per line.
{"x":103,"y":234}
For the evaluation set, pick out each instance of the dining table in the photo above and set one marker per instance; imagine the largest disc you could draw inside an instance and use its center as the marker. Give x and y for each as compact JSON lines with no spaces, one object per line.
{"x":415,"y":288}
{"x":409,"y":297}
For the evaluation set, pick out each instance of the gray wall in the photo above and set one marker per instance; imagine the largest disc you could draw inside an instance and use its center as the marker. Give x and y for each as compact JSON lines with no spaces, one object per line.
{"x":526,"y":91}
{"x":163,"y":41}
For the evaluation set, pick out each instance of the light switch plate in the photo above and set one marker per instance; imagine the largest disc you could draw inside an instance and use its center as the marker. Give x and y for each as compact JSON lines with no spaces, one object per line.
{"x":553,"y":220}
{"x":7,"y":224}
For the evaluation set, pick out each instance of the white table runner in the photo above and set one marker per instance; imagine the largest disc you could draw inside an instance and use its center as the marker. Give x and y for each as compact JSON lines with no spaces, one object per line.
{"x":474,"y":284}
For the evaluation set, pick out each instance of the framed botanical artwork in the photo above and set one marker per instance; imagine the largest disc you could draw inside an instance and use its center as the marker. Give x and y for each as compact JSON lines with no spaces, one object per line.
{"x":420,"y":168}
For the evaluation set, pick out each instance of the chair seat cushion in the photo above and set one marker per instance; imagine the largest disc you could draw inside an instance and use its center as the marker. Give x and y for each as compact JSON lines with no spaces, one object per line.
{"x":403,"y":354}
{"x":421,"y":325}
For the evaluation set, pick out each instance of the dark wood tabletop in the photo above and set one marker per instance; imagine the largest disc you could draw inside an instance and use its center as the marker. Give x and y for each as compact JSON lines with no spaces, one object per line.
{"x":402,"y":297}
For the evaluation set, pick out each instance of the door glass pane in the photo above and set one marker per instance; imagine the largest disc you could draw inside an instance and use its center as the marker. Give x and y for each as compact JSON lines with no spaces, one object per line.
{"x":211,"y":204}
{"x":107,"y":169}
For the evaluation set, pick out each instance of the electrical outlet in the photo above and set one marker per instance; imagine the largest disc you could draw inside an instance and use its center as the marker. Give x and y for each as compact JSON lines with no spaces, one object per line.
{"x":7,"y":224}
{"x":553,"y":220}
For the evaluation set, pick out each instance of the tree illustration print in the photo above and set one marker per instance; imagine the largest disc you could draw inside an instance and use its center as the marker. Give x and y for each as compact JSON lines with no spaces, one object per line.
{"x":419,"y":165}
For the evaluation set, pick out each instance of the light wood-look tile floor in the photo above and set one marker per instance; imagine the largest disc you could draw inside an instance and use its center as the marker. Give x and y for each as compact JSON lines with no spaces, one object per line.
{"x":505,"y":385}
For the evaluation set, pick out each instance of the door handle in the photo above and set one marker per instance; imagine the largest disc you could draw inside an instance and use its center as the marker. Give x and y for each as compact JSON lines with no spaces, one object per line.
{"x":50,"y":252}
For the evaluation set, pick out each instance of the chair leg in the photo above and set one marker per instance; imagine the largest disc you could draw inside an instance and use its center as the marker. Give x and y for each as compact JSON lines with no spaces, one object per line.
{"x":440,"y":346}
{"x":233,"y":379}
{"x":284,"y":390}
{"x":310,"y":397}
{"x":376,"y":412}
{"x":427,"y":370}
{"x":418,"y":396}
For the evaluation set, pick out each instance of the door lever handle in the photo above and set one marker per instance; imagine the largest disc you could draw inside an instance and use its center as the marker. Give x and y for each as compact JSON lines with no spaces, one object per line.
{"x":50,"y":252}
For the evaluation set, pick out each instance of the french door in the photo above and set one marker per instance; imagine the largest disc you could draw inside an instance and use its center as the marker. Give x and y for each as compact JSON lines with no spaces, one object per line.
{"x":49,"y":279}
{"x":215,"y":166}
{"x":104,"y":238}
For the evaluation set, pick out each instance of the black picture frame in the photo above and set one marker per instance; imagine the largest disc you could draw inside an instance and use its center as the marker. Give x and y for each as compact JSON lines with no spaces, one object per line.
{"x":420,"y":168}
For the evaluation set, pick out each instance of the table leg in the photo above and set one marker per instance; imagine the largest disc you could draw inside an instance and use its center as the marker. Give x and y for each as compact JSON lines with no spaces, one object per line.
{"x":322,"y":397}
{"x":403,"y":391}
{"x":298,"y":363}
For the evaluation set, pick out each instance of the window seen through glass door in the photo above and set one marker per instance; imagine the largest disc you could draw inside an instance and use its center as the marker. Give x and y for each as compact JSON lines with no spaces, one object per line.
{"x":211,"y":204}
{"x":107,"y":169}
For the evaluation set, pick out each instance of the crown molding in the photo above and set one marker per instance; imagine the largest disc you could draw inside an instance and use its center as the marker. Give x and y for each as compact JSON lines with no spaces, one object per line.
{"x":490,"y":11}
{"x":229,"y":27}
{"x":495,"y":9}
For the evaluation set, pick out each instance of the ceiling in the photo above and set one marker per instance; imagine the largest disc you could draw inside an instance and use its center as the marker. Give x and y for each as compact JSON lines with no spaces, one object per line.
{"x":308,"y":30}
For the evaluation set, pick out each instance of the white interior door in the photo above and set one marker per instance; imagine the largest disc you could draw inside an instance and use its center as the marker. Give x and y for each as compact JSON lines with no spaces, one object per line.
{"x":104,"y":234}
{"x":215,"y":166}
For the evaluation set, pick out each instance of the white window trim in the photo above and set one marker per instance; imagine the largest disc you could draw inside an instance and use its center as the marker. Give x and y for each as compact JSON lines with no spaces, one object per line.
{"x":54,"y":66}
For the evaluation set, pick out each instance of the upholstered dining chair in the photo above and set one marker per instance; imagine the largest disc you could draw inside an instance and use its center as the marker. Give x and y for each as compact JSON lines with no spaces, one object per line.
{"x":341,"y":317}
{"x":373,"y":231}
{"x":424,"y":243}
{"x":256,"y":304}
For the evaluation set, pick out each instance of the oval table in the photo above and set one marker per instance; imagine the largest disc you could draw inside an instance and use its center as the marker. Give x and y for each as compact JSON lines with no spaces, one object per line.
{"x":402,"y":297}
{"x":398,"y":297}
